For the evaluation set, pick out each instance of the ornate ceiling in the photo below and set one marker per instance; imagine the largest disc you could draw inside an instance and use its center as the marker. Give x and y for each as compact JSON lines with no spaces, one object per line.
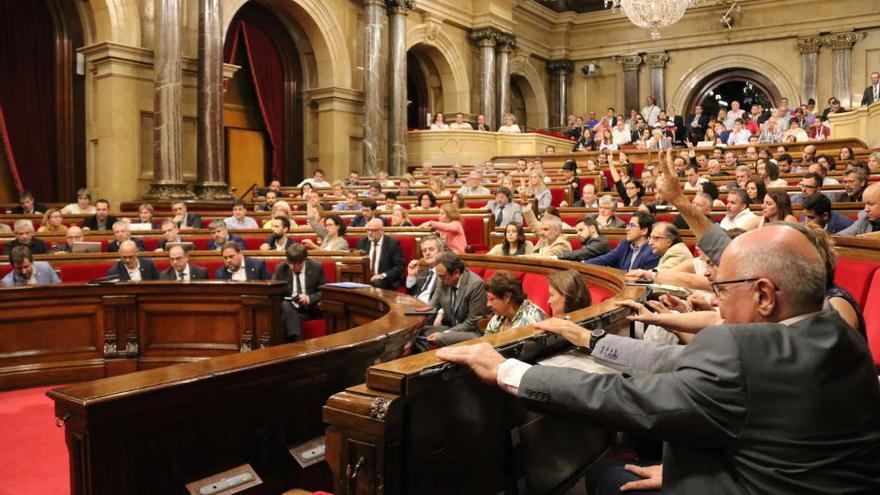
{"x":579,"y":6}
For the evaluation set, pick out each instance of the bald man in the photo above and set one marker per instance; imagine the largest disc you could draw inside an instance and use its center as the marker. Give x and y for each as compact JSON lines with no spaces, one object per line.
{"x":761,"y":404}
{"x":869,"y":220}
{"x":387,"y":264}
{"x":130,"y":266}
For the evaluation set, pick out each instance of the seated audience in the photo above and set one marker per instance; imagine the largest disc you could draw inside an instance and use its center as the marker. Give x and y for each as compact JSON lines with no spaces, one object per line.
{"x":510,"y":125}
{"x":102,"y":219}
{"x":53,"y":222}
{"x":869,"y":219}
{"x":220,"y":235}
{"x":145,"y":216}
{"x":460,"y":124}
{"x":238,"y":267}
{"x":503,"y":209}
{"x":278,"y":241}
{"x":304,"y":279}
{"x":439,"y":123}
{"x":474,"y":186}
{"x":27,"y":206}
{"x":776,"y":207}
{"x":756,"y":191}
{"x":74,"y":234}
{"x":280,"y":209}
{"x":738,"y":214}
{"x":811,"y":185}
{"x":450,"y":228}
{"x":422,"y":285}
{"x":317,"y":180}
{"x":182,"y":218}
{"x":26,"y":271}
{"x":425,"y":201}
{"x":703,"y":203}
{"x":239,"y":219}
{"x":854,"y":180}
{"x":568,"y":292}
{"x":24,"y":236}
{"x":665,"y":242}
{"x":551,"y":242}
{"x":384,"y":254}
{"x":634,"y":252}
{"x":606,"y":218}
{"x":817,"y":210}
{"x":83,"y":205}
{"x":330,"y":233}
{"x":130,"y":267}
{"x":271,"y":198}
{"x":588,"y":197}
{"x":509,"y":305}
{"x":400,"y":218}
{"x":592,"y":242}
{"x":121,"y":233}
{"x":181,"y":269}
{"x":351,"y":202}
{"x":539,"y":191}
{"x":460,"y":301}
{"x":514,"y":243}
{"x":170,"y":234}
{"x":368,"y":212}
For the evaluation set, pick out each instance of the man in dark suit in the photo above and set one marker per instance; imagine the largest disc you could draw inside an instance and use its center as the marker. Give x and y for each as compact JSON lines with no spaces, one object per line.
{"x":696,"y":124}
{"x":239,"y":267}
{"x":368,"y":212}
{"x":122,"y":232}
{"x":462,"y":298}
{"x":755,"y":405}
{"x":181,"y":269}
{"x":24,"y":236}
{"x":422,"y":285}
{"x":633,"y":252}
{"x":592,"y":242}
{"x":170,"y":234}
{"x":304,"y":279}
{"x":481,"y":125}
{"x":26,"y":205}
{"x":278,"y":241}
{"x":130,"y":267}
{"x":386,"y":258}
{"x":220,"y":235}
{"x":102,"y":219}
{"x":184,"y":220}
{"x":872,"y":92}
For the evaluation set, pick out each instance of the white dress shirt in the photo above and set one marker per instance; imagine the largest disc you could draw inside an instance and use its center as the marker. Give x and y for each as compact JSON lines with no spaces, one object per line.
{"x":739,"y":221}
{"x":239,"y":275}
{"x":134,"y":274}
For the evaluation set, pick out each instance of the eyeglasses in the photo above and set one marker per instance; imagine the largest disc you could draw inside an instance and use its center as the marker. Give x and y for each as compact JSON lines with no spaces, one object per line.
{"x":716,"y":286}
{"x":657,"y":238}
{"x":633,"y":226}
{"x":807,"y":186}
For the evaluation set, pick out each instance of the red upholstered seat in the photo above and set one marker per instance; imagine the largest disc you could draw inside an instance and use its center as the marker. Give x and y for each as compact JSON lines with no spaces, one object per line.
{"x":872,"y":317}
{"x":151,"y":243}
{"x":537,"y":289}
{"x":475,"y":230}
{"x":598,"y":294}
{"x":420,"y":220}
{"x":637,"y":170}
{"x":855,"y":276}
{"x":312,"y":328}
{"x":199,"y":243}
{"x":206,"y":222}
{"x":253,"y":242}
{"x":83,"y":272}
{"x":212,"y":267}
{"x":613,"y":243}
{"x":557,"y":195}
{"x":475,"y":204}
{"x":575,"y":242}
{"x":4,"y":270}
{"x":478,"y":271}
{"x":570,"y":219}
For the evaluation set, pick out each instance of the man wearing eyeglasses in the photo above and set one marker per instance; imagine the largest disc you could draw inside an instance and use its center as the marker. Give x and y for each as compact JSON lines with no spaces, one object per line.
{"x":632,"y":253}
{"x":811,"y":185}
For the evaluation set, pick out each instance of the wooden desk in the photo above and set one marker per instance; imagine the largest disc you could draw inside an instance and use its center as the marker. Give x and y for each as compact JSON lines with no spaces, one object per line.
{"x":153,"y":431}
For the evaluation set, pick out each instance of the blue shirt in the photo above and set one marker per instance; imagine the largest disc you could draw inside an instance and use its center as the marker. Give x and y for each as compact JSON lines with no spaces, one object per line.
{"x":627,"y":257}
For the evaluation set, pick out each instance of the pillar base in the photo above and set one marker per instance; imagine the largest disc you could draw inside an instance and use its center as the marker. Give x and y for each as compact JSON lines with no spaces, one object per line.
{"x":213,"y":191}
{"x":169,"y":190}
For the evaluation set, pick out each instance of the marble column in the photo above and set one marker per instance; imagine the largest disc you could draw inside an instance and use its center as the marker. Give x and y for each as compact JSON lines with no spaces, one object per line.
{"x":505,"y":45}
{"x":486,"y":40}
{"x":841,"y":62}
{"x":657,"y":63}
{"x":809,"y":48}
{"x":211,"y":165}
{"x":397,"y":85}
{"x":375,"y":80}
{"x":559,"y":71}
{"x":630,"y":65}
{"x":167,"y":119}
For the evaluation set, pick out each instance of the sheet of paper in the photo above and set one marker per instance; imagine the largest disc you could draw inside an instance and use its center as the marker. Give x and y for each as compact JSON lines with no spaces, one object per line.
{"x":577,"y":360}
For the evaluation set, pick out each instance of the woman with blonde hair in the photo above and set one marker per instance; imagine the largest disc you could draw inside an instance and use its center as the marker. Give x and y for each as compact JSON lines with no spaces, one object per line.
{"x":281,"y":208}
{"x":83,"y":205}
{"x":538,"y":189}
{"x":509,"y":124}
{"x":437,"y":189}
{"x":450,"y":228}
{"x":53,"y":222}
{"x":400,"y":218}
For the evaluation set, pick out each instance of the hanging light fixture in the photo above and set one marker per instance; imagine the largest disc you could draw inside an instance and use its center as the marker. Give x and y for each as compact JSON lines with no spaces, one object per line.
{"x":652,"y":15}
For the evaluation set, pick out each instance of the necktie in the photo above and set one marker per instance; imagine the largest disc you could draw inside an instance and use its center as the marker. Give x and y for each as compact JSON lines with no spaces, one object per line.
{"x":452,"y":307}
{"x":297,"y":284}
{"x":876,"y":92}
{"x":500,"y":215}
{"x":374,"y":257}
{"x":180,"y":276}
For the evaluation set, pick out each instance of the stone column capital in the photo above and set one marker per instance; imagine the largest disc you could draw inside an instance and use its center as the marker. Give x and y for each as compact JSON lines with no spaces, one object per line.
{"x":656,"y":60}
{"x":629,"y":63}
{"x":486,"y":36}
{"x":400,"y":7}
{"x":811,"y":44}
{"x":842,"y":41}
{"x":506,"y":42}
{"x":560,"y":67}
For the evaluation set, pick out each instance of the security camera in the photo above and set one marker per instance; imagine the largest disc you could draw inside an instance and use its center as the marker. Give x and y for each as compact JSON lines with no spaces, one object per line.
{"x":589,"y":69}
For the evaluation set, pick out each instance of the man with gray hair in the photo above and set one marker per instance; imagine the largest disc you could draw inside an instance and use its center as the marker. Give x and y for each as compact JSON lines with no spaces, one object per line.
{"x":869,"y":219}
{"x":422,"y":285}
{"x":854,"y":180}
{"x":474,"y":186}
{"x":606,"y":217}
{"x":745,"y":407}
{"x":738,"y":213}
{"x":551,"y":242}
{"x":24,"y":236}
{"x":122,"y":232}
{"x":26,"y":271}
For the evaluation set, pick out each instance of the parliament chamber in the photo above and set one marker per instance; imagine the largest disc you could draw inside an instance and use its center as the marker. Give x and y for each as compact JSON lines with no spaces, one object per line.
{"x":174,"y":171}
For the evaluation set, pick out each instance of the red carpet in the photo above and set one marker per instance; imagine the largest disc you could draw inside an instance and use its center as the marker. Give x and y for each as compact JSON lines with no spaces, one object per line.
{"x":33,"y":455}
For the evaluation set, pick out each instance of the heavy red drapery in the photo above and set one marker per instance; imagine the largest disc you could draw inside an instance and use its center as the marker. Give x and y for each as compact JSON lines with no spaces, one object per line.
{"x":27,"y":96}
{"x":266,"y":72}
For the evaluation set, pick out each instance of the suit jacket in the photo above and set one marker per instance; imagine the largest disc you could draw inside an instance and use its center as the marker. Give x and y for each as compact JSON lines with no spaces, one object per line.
{"x":315,"y":278}
{"x":91,"y":222}
{"x":512,"y":213}
{"x":754,"y":408}
{"x":620,"y":256}
{"x":704,"y":122}
{"x":674,"y":256}
{"x":113,"y":246}
{"x":42,"y":269}
{"x":680,"y":129}
{"x":391,"y":262}
{"x":470,"y":305}
{"x":254,"y":269}
{"x":212,"y":244}
{"x":195,"y":273}
{"x":360,"y":221}
{"x":867,"y":98}
{"x":590,"y":249}
{"x":145,"y":265}
{"x":38,"y":208}
{"x":191,"y":220}
{"x":287,"y":242}
{"x":837,"y":222}
{"x":861,"y":226}
{"x":37,"y":246}
{"x":421,"y":283}
{"x":615,"y":223}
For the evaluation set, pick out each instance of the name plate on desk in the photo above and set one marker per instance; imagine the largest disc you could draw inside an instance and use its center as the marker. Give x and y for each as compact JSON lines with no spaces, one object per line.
{"x":234,"y":480}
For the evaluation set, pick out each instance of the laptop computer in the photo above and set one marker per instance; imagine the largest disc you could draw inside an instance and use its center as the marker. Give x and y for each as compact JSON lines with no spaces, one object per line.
{"x":85,"y":247}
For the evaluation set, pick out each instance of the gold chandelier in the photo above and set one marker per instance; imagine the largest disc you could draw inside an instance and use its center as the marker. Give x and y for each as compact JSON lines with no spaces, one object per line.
{"x":652,"y":15}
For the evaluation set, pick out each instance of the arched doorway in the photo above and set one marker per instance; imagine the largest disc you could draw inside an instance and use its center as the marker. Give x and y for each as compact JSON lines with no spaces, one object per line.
{"x":269,"y":86}
{"x":518,"y":100}
{"x":743,"y":85}
{"x":42,"y":99}
{"x":416,"y":94}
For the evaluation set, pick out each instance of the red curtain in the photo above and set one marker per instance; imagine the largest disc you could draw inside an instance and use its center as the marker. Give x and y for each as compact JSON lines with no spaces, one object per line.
{"x":265,"y":68}
{"x":27,"y":95}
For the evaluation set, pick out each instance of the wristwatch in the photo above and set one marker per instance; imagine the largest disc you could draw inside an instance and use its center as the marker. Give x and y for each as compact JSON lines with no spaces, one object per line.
{"x":596,"y":335}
